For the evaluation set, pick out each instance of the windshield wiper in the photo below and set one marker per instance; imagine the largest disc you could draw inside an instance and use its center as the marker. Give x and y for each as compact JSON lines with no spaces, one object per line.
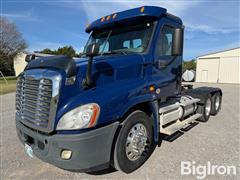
{"x":105,"y":42}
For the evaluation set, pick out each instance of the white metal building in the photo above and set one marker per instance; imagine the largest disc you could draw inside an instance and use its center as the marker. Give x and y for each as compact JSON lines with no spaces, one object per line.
{"x":219,"y":67}
{"x":19,"y":62}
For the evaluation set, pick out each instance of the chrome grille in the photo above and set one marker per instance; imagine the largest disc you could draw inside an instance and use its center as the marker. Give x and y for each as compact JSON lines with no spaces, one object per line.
{"x":36,"y":99}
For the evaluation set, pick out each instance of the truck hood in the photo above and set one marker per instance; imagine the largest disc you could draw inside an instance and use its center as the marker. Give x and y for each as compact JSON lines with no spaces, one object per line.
{"x":108,"y":72}
{"x":105,"y":63}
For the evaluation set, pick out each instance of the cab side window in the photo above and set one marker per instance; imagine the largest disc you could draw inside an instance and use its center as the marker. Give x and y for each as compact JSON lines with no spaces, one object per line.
{"x":164,"y":44}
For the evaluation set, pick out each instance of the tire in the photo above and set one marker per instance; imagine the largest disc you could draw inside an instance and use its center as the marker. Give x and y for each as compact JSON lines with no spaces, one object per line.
{"x":125,"y":159}
{"x":205,"y":109}
{"x":216,"y":103}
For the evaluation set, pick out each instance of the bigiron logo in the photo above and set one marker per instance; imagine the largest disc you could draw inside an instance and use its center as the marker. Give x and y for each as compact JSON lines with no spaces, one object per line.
{"x":203,"y":170}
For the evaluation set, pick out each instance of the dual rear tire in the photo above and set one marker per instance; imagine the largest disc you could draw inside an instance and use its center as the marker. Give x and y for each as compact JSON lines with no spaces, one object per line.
{"x":210,"y":106}
{"x":216,"y":103}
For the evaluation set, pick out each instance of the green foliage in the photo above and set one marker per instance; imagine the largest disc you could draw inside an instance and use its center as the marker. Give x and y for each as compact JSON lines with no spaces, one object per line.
{"x":6,"y":65}
{"x":11,"y":44}
{"x":189,"y":65}
{"x":8,"y":78}
{"x":8,"y":87}
{"x":47,"y":51}
{"x":66,"y":50}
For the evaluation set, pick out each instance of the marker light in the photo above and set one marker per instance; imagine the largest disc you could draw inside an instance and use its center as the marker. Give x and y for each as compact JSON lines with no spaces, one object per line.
{"x":103,"y":18}
{"x":114,"y":16}
{"x":142,"y":9}
{"x":108,"y":18}
{"x":151,"y":88}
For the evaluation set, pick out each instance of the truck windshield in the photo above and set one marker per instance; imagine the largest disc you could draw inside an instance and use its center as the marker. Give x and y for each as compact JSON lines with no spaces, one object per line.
{"x":124,"y":40}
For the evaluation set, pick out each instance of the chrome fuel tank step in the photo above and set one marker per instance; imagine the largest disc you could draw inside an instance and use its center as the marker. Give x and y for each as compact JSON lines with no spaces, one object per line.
{"x":178,"y":115}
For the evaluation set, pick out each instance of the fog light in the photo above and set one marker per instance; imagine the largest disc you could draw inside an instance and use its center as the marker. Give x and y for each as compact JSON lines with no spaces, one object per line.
{"x":66,"y":154}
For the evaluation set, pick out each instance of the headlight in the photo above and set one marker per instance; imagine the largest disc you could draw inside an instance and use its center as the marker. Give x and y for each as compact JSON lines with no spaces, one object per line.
{"x":84,"y":116}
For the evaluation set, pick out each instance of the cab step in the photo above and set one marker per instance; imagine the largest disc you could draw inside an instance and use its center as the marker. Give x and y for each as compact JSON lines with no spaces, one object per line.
{"x":169,"y":130}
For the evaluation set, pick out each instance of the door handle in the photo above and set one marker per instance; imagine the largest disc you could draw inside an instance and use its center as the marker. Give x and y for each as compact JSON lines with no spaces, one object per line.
{"x":147,"y":64}
{"x":163,"y":64}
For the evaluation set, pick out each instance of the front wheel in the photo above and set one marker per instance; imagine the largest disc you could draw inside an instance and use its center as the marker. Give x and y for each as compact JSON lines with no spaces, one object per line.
{"x":134,"y":142}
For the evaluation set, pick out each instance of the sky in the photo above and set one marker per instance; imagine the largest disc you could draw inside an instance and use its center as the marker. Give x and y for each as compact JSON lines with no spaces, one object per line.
{"x":210,"y":26}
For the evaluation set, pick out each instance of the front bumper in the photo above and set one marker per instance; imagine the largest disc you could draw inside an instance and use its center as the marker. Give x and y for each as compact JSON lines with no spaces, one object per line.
{"x":90,"y":150}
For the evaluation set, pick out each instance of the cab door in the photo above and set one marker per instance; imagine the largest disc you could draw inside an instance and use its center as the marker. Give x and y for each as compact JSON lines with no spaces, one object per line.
{"x":167,"y":67}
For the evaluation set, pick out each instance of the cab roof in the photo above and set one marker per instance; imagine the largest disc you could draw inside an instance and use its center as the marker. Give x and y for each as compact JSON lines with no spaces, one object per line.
{"x":147,"y":12}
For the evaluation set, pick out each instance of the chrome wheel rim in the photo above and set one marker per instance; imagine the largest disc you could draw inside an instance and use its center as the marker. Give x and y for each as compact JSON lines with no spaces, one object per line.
{"x":137,"y":142}
{"x":217,"y":102}
{"x":208,"y":107}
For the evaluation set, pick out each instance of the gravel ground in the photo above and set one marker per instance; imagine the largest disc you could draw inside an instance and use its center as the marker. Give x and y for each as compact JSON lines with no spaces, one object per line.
{"x":216,"y":141}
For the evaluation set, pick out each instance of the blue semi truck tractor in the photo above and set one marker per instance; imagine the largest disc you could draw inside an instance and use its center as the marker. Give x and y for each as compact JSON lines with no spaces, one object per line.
{"x":111,"y":106}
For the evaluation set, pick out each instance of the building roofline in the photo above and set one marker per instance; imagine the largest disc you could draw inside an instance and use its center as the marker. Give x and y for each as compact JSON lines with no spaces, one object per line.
{"x":36,"y":53}
{"x":217,"y":52}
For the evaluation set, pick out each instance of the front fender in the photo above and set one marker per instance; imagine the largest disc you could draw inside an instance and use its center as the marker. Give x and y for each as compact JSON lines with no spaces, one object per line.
{"x":150,"y":99}
{"x":135,"y":101}
{"x":156,"y":121}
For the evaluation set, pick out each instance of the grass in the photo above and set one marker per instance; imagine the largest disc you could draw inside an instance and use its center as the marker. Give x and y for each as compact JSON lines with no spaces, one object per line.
{"x":9,"y":87}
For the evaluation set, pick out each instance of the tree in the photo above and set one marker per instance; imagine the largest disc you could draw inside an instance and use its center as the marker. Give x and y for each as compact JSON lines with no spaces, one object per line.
{"x":189,"y":65}
{"x":11,"y":44}
{"x":47,"y":51}
{"x":65,"y":50}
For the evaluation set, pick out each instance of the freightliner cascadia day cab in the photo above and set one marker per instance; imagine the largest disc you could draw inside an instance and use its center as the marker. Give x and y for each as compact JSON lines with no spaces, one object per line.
{"x":111,"y":106}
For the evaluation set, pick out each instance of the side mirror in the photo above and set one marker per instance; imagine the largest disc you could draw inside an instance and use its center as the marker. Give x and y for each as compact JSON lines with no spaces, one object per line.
{"x":92,"y":50}
{"x":177,"y":46}
{"x":29,"y":57}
